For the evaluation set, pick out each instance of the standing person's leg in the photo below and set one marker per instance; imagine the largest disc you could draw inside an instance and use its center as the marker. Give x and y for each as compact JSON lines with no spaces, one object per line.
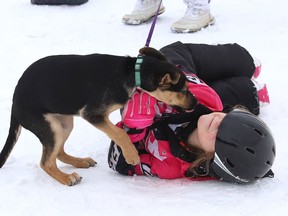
{"x":143,"y":11}
{"x":58,"y":2}
{"x":196,"y":17}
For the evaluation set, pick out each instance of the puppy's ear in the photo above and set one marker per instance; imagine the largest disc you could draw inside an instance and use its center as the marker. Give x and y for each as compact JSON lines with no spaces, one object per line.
{"x":167,"y":80}
{"x":148,"y":51}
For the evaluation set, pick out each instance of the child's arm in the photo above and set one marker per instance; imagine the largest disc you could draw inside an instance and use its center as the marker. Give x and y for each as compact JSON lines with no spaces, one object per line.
{"x":204,"y":93}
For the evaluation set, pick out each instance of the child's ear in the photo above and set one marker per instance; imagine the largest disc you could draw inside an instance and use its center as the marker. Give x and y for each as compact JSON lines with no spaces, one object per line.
{"x":148,"y":51}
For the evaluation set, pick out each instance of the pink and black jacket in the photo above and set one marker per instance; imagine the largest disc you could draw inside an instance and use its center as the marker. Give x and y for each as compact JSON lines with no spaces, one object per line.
{"x":157,"y":130}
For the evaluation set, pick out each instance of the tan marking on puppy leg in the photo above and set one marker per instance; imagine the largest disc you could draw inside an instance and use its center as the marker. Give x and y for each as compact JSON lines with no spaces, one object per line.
{"x":67,"y":126}
{"x":48,"y":162}
{"x":51,"y":169}
{"x":75,"y":161}
{"x":120,"y":137}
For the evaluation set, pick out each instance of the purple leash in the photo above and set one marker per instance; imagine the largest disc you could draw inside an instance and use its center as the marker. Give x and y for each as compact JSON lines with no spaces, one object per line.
{"x":153,"y":26}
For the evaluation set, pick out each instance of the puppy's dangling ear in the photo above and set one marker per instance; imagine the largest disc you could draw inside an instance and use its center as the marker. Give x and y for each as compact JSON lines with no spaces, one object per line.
{"x":148,"y":51}
{"x":167,"y":80}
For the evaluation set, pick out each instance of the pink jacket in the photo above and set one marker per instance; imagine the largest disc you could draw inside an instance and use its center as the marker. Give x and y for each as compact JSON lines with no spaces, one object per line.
{"x":159,"y":160}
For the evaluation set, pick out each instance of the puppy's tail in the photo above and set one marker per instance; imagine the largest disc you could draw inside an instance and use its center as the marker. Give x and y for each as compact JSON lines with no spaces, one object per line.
{"x":14,"y":132}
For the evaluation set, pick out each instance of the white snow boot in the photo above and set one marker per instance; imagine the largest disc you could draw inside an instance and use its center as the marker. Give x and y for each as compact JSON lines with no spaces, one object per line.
{"x":143,"y":11}
{"x":197,"y":16}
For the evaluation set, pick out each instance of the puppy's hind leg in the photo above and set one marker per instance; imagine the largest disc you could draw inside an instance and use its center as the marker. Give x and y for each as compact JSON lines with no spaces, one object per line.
{"x":51,"y":135}
{"x":67,"y":126}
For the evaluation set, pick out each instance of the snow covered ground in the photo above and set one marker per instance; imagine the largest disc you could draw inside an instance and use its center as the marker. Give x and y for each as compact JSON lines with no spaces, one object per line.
{"x":30,"y":32}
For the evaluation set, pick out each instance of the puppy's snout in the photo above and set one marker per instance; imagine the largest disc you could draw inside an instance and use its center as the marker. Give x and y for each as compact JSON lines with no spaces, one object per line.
{"x":186,"y":103}
{"x":190,"y":102}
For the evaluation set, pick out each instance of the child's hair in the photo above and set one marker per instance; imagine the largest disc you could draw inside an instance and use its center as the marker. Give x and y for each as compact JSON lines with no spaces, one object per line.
{"x":200,"y":167}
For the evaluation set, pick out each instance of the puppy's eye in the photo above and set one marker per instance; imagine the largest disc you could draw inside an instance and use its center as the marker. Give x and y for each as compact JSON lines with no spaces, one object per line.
{"x":165,"y":87}
{"x":185,"y":92}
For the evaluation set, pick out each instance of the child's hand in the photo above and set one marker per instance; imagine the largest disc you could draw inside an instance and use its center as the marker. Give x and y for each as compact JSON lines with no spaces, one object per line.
{"x":139,"y":111}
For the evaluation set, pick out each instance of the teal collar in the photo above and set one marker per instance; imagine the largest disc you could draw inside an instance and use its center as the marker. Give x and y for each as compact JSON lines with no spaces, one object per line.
{"x":138,"y":63}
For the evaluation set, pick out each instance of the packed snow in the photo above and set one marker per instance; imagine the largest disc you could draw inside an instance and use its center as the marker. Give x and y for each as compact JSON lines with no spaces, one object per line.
{"x":29,"y":32}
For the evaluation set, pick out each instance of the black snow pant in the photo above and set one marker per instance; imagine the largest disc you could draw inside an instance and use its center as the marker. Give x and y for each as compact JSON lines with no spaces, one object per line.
{"x":227,"y":68}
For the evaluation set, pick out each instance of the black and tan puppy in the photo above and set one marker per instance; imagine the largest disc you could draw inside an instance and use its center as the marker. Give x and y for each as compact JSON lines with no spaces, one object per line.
{"x":54,"y":89}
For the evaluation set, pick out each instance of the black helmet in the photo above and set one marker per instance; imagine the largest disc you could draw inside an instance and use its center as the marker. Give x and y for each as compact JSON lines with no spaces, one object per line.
{"x":244,"y":148}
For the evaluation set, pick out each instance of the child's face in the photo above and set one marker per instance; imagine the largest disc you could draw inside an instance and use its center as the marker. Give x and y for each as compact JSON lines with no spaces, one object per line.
{"x":207,"y":130}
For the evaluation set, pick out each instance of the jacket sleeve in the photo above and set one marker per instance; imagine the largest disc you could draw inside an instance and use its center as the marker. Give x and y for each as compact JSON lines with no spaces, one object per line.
{"x":170,"y":168}
{"x":203,"y":93}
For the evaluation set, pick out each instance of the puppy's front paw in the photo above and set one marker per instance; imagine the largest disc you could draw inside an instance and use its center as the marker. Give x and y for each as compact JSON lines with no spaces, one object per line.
{"x":134,"y":161}
{"x":131,"y":155}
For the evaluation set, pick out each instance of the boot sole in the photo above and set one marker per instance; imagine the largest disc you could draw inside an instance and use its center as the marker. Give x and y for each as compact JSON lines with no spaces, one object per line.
{"x":138,"y":22}
{"x":59,"y":2}
{"x":175,"y":30}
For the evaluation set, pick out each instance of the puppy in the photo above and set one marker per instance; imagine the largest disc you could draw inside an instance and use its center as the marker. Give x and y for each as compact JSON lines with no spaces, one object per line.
{"x":54,"y":89}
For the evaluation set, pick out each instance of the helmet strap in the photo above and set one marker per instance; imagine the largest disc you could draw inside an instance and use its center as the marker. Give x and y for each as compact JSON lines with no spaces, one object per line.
{"x":177,"y":147}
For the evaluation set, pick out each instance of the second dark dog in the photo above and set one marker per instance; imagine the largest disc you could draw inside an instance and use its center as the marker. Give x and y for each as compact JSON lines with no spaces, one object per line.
{"x":54,"y":89}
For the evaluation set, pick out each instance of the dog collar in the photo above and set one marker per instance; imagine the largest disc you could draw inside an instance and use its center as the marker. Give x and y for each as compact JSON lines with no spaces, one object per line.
{"x":138,"y":63}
